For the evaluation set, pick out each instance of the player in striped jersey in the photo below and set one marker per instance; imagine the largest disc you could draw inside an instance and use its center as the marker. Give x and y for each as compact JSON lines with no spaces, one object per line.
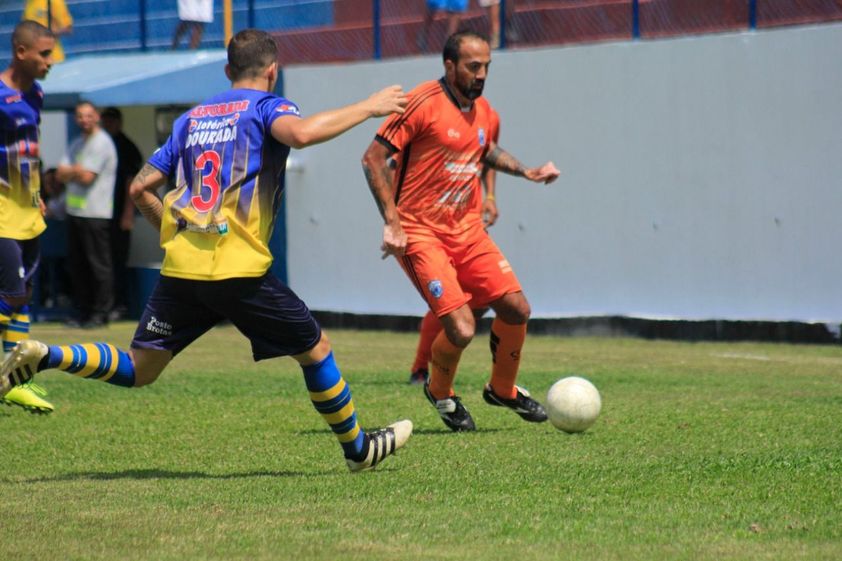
{"x":226,"y":157}
{"x":433,"y":224}
{"x":21,"y":210}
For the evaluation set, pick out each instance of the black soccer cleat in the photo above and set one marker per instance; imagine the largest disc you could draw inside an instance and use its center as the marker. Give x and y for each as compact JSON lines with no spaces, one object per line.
{"x":523,"y":404}
{"x":452,"y":412}
{"x":419,"y":376}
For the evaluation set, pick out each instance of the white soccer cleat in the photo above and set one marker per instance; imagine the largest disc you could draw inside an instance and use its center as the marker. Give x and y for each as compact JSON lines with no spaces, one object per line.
{"x":21,"y":364}
{"x":382,"y":443}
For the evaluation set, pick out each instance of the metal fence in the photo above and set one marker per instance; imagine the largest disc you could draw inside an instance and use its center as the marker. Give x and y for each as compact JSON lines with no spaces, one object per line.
{"x":336,"y":30}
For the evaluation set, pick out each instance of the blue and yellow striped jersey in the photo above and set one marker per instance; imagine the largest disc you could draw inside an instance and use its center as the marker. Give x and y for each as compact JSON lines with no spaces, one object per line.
{"x":228,"y":174}
{"x":20,"y":180}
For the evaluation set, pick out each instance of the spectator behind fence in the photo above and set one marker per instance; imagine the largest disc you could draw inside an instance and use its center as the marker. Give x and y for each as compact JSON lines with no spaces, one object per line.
{"x":493,"y":9}
{"x":454,"y":9}
{"x":192,"y":16}
{"x":89,"y":170}
{"x":129,"y":162}
{"x":60,"y":20}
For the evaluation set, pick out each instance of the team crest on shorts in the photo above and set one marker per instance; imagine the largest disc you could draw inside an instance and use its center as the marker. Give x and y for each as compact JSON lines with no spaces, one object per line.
{"x":435,"y":288}
{"x":482,"y":136}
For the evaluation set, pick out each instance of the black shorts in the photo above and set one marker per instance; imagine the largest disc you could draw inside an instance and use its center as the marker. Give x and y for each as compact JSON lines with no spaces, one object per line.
{"x":265,"y":310}
{"x":19,"y":260}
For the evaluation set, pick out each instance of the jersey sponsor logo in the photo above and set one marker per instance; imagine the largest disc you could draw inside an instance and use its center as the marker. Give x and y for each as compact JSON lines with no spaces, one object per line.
{"x":220,"y":228}
{"x":465,"y":170}
{"x":21,"y":272}
{"x":215,"y":131}
{"x":453,"y":133}
{"x":219,"y":109}
{"x":481,"y":135}
{"x":285,"y":108}
{"x":160,"y":327}
{"x":213,"y":124}
{"x":436,"y":289}
{"x":14,"y":98}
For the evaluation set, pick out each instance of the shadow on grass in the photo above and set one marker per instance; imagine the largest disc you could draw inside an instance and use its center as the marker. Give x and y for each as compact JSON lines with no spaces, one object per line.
{"x":415,"y":431}
{"x":141,"y":474}
{"x":445,"y":430}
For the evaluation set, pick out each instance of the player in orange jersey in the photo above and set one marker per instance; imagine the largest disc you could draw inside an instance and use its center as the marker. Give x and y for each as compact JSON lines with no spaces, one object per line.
{"x":432,"y":212}
{"x":430,"y":325}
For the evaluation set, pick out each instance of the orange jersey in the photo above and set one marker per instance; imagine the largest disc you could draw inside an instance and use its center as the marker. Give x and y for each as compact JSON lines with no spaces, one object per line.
{"x":441,"y":150}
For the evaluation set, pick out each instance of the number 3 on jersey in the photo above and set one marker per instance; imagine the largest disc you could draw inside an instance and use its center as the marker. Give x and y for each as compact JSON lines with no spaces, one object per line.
{"x":207,"y":164}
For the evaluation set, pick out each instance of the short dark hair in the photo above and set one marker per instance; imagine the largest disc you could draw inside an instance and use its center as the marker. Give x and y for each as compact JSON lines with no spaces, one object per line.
{"x":112,"y":112}
{"x":249,"y":52}
{"x":27,"y":31}
{"x":451,"y":46}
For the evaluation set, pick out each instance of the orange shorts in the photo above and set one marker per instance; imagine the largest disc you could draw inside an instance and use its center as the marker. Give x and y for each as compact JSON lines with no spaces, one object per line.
{"x":449,"y":277}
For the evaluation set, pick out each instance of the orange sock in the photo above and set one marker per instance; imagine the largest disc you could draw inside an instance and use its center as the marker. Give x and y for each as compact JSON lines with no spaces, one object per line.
{"x":506,"y":344}
{"x":445,"y":360}
{"x":430,"y":327}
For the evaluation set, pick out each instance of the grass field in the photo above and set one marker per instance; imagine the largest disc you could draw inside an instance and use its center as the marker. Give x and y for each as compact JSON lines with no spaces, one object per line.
{"x":703,"y":452}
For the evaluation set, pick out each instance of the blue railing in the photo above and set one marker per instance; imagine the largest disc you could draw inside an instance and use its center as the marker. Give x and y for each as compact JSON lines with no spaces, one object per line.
{"x":313,"y":30}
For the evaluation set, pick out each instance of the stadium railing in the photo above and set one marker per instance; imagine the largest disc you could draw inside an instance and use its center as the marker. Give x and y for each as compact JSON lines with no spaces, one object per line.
{"x":338,"y":30}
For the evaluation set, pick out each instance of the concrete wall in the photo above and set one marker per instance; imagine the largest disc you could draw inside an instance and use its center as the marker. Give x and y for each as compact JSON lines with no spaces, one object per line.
{"x":701,"y":179}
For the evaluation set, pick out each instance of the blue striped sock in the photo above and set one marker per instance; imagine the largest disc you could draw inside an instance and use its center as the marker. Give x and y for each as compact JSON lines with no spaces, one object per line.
{"x":331,"y":397}
{"x":6,"y":312}
{"x":17,"y":328}
{"x":97,"y":361}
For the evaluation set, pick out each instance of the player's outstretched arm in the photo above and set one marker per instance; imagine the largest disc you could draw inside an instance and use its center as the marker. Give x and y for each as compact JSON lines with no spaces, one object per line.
{"x":143,"y":192}
{"x":381,"y":183}
{"x":499,"y":159}
{"x":300,"y":133}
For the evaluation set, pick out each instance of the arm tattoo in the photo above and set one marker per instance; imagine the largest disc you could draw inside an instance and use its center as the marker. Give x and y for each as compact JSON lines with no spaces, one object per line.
{"x":501,"y":160}
{"x":144,"y":172}
{"x":152,"y":209}
{"x":148,"y":203}
{"x":369,"y":177}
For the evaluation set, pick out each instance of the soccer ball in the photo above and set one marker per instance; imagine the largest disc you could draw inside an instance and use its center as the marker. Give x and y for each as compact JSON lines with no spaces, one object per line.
{"x":573,"y":404}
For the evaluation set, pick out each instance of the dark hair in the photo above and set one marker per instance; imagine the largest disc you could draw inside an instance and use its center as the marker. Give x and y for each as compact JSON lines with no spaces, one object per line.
{"x":27,"y":31}
{"x":250,"y":52}
{"x":112,"y":112}
{"x":451,"y":46}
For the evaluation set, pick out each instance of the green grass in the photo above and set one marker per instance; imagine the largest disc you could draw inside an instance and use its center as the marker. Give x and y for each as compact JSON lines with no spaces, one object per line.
{"x":703,"y":452}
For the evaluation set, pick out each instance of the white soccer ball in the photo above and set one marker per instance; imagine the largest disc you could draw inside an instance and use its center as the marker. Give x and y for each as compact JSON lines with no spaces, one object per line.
{"x":573,"y":404}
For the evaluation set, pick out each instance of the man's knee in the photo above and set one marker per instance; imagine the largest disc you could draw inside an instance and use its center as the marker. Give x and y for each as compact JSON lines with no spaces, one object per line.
{"x":16,"y":302}
{"x":460,"y":327}
{"x":148,"y":365}
{"x":316,"y":354}
{"x":513,"y":308}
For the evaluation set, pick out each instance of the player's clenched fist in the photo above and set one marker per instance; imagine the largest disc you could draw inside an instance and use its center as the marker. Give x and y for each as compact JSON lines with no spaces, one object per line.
{"x":388,"y":100}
